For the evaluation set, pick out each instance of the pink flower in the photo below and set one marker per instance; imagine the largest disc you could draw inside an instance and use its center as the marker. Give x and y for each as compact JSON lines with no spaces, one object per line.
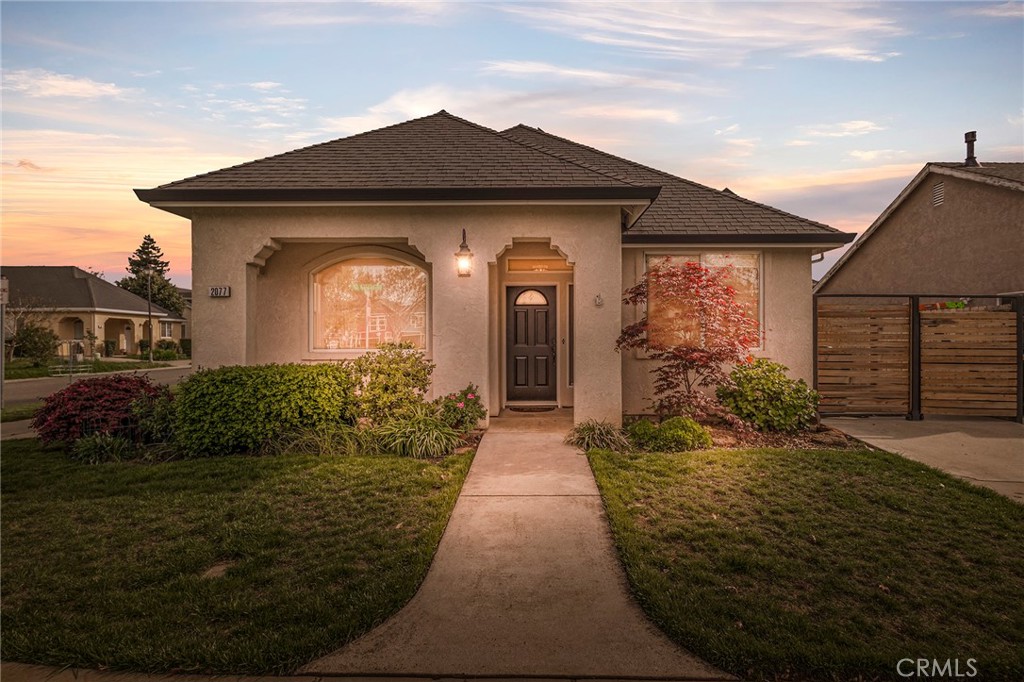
{"x":461,"y":405}
{"x":470,"y":396}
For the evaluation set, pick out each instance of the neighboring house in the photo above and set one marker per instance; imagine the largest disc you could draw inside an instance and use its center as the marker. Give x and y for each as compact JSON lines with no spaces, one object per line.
{"x":322,"y":253}
{"x":957,"y":228}
{"x":186,"y":313}
{"x":953,"y":238}
{"x":76,"y":304}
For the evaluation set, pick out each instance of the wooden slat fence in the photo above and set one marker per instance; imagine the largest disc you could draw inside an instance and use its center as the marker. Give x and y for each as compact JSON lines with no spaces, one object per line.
{"x":968,"y":362}
{"x":864,"y":358}
{"x":871,"y":359}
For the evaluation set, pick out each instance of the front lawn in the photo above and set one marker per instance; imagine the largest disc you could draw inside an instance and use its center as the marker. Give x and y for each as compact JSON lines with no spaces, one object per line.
{"x":15,"y":413}
{"x":103,"y":566}
{"x":23,"y":369}
{"x":819,"y":565}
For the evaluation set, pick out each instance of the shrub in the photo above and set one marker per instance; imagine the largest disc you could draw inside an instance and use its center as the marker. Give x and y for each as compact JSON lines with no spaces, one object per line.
{"x":36,"y":343}
{"x":642,"y":433}
{"x":762,"y":394}
{"x":167,"y":344}
{"x":241,"y":408}
{"x":592,"y":435}
{"x":143,"y":346}
{"x":421,"y":434}
{"x":99,"y":448}
{"x":325,"y":441}
{"x":109,"y":347}
{"x":462,"y":410}
{"x":155,"y":417}
{"x":186,"y":347}
{"x":681,"y":433}
{"x":391,"y":381}
{"x":164,"y":355}
{"x":91,"y":406}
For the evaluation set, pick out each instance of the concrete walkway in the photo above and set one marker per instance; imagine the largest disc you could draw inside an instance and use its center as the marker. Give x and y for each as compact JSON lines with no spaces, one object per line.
{"x":988,"y":452}
{"x":525,"y":581}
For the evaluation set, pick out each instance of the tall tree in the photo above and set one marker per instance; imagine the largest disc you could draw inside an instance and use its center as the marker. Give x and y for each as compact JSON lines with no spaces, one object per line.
{"x":147,"y":268}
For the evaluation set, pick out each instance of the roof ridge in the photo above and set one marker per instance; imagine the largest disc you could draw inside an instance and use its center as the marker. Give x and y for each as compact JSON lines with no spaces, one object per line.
{"x":88,"y":284}
{"x":675,"y":178}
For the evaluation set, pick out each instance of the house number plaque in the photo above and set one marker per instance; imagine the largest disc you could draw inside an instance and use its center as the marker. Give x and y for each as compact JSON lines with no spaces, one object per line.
{"x":220,"y":292}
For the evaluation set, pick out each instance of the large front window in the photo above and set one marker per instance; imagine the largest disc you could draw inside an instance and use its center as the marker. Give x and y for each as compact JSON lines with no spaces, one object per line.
{"x":361,"y":303}
{"x":672,"y":323}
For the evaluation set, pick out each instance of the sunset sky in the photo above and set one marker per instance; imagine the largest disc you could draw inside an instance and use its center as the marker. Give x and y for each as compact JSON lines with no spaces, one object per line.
{"x":824,"y":110}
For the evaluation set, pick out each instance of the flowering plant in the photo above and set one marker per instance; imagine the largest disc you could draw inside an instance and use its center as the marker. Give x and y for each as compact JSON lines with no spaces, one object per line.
{"x":461,"y":410}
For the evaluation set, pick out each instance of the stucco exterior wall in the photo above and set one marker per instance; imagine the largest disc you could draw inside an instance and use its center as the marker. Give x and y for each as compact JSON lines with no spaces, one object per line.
{"x":786,"y":316}
{"x":266,"y":318}
{"x":973,"y":243}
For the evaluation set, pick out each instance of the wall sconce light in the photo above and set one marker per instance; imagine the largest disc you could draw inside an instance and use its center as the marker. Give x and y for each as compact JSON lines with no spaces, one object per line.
{"x":464,"y":258}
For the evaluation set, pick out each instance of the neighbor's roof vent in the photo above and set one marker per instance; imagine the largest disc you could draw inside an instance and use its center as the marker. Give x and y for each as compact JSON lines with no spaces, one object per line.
{"x":938,"y":193}
{"x":970,"y":138}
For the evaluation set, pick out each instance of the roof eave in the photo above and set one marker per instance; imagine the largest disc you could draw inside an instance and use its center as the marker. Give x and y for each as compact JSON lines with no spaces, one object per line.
{"x":827,"y":239}
{"x":196,"y":197}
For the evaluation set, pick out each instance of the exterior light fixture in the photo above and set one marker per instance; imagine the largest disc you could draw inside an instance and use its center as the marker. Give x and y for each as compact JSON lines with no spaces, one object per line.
{"x":464,"y":258}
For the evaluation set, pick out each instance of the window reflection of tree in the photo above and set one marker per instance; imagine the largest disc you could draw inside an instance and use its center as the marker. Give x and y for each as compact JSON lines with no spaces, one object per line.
{"x":369,"y":301}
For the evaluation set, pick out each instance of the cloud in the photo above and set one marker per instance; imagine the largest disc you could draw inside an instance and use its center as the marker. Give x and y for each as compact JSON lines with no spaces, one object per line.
{"x":43,"y":83}
{"x":725,"y":33}
{"x":728,"y":130}
{"x":146,"y":74}
{"x":844,"y":129}
{"x":799,"y":143}
{"x":875,"y":154}
{"x":624,"y":113}
{"x":1006,"y":10}
{"x":264,"y":85}
{"x":380,"y":11}
{"x":25,"y":164}
{"x":603,"y":78}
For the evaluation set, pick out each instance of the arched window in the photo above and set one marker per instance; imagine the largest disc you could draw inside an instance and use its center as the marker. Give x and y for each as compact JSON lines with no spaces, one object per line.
{"x":531,"y":297}
{"x":360,"y":303}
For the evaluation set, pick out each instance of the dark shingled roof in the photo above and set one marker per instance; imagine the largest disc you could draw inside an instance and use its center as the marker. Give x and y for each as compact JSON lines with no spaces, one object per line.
{"x":64,"y":287}
{"x":445,"y":157}
{"x":1004,"y":171}
{"x":434,"y":155}
{"x":683,"y":207}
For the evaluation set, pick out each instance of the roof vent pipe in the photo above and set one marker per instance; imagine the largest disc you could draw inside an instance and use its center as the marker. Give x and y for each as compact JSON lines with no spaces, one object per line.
{"x":970,"y":138}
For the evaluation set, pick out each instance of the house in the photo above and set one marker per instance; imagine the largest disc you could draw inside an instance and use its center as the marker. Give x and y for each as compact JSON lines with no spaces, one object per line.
{"x":186,"y":313}
{"x":502,"y":254}
{"x":87,"y":313}
{"x":957,"y":228}
{"x":923,"y":314}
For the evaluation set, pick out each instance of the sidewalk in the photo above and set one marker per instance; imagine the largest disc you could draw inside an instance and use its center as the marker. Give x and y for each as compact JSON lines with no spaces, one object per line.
{"x":525,"y":582}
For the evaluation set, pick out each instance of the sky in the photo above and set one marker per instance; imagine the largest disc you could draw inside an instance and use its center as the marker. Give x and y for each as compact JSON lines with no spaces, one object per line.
{"x":826,"y":110}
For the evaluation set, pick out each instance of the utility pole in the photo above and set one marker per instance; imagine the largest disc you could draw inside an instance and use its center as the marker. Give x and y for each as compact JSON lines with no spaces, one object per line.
{"x":149,"y":307}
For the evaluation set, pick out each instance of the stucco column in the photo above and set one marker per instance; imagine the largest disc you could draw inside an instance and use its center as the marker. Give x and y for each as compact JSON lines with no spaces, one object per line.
{"x":220,"y":325}
{"x":458,"y":314}
{"x":597,"y":276}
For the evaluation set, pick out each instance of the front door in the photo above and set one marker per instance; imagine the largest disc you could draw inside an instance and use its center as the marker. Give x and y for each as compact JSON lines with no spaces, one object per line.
{"x":530,"y":339}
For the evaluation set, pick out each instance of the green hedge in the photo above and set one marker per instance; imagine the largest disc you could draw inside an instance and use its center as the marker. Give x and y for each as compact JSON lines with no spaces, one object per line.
{"x":241,"y":408}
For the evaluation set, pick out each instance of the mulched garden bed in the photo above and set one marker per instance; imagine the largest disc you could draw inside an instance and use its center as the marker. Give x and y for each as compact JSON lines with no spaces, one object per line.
{"x":816,"y":437}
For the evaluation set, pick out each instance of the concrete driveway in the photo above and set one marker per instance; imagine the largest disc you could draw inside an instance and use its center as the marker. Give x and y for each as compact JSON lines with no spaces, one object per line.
{"x":988,"y":452}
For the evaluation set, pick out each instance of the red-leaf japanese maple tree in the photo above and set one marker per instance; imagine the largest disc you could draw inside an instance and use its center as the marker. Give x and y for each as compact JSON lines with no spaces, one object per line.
{"x":716,"y":331}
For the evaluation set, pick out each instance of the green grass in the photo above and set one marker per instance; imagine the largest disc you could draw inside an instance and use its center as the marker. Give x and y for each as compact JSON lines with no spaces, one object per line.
{"x":23,"y":369}
{"x":102,"y":564}
{"x":18,"y":412}
{"x":819,"y":565}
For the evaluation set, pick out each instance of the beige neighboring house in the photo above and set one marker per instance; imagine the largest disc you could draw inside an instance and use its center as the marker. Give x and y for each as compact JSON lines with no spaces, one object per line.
{"x":74,"y":304}
{"x":956,"y":229}
{"x":322,"y":253}
{"x":186,"y":313}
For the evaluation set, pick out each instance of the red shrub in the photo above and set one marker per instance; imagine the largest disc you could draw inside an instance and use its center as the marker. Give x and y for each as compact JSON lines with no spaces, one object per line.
{"x":97,"y":405}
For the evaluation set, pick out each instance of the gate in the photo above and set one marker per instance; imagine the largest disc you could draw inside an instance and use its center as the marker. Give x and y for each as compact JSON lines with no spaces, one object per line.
{"x":901,"y":354}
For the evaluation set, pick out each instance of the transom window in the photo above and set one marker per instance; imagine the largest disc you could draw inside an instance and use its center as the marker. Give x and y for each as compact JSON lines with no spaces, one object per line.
{"x":360,"y":303}
{"x":531,"y":297}
{"x":670,"y":321}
